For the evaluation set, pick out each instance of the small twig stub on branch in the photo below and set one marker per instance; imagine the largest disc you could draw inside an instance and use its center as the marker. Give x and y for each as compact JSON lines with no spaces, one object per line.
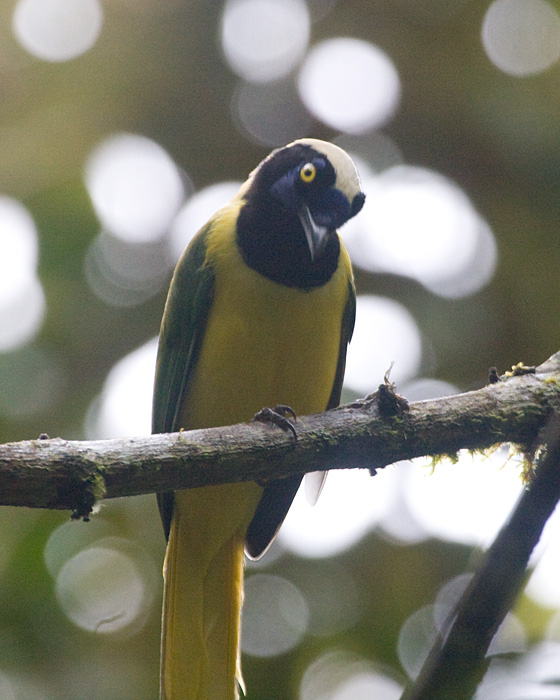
{"x":370,"y":434}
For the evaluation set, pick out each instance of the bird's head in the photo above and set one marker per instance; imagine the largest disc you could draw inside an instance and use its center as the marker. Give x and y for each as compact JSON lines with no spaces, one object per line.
{"x":295,"y":201}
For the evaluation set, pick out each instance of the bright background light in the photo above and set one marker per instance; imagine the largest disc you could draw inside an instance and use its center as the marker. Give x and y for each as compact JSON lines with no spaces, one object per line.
{"x":196,"y":212}
{"x":124,"y":408}
{"x":341,"y":675}
{"x":385,"y":337}
{"x":264,"y":39}
{"x":546,"y":562}
{"x":420,"y":224}
{"x":135,"y":187}
{"x":22,"y":302}
{"x":522,"y":37}
{"x":350,"y":504}
{"x":57,"y":30}
{"x":441,"y":498}
{"x":349,"y":84}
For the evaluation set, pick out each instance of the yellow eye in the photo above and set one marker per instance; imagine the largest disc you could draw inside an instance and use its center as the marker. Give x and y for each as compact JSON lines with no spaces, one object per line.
{"x":308,"y":172}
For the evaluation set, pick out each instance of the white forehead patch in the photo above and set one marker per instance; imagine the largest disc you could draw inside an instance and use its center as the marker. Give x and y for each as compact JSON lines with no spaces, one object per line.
{"x":347,"y":178}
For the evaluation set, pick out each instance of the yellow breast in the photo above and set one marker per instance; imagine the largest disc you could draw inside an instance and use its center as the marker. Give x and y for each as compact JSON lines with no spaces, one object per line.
{"x":265,"y":344}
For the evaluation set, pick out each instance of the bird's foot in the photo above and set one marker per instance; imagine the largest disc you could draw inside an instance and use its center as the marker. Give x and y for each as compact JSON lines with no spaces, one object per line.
{"x":278,"y":416}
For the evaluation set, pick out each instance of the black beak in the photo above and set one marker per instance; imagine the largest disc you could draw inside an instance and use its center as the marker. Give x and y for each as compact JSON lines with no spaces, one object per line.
{"x":316,"y":235}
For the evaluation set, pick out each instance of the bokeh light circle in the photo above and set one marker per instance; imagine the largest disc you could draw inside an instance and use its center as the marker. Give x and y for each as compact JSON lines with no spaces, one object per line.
{"x":351,"y":503}
{"x":420,"y":630}
{"x":263,"y":40}
{"x":70,"y":538}
{"x":21,"y":320}
{"x":522,"y":37}
{"x":19,"y":247}
{"x":533,"y":675}
{"x":368,"y":684}
{"x":343,"y":675}
{"x":385,"y":334}
{"x":270,"y":114}
{"x":372,"y":153}
{"x":196,"y":212}
{"x":441,"y":499}
{"x":22,"y":300}
{"x":101,"y":590}
{"x":416,"y":637}
{"x":135,"y":187}
{"x":122,"y":273}
{"x":420,"y":224}
{"x":124,"y":407}
{"x":349,"y":84}
{"x":275,"y":615}
{"x":57,"y":30}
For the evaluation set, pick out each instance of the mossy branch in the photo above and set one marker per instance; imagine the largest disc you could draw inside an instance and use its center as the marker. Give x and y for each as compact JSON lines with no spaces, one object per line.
{"x":458,"y":659}
{"x":370,"y":433}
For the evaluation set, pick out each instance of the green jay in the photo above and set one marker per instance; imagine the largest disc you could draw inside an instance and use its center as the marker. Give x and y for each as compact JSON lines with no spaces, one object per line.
{"x":259,"y":312}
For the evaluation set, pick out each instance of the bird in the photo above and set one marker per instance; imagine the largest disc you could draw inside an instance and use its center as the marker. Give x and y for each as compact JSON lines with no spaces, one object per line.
{"x":259,"y":313}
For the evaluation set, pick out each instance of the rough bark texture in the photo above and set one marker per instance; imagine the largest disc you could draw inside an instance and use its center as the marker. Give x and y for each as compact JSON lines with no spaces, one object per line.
{"x":370,"y":433}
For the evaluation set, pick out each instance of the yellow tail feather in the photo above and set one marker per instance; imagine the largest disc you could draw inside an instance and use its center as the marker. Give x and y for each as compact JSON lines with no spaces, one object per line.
{"x":203,"y":593}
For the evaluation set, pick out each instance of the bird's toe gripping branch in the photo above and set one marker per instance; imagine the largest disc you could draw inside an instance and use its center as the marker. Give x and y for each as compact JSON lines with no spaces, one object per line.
{"x":277,"y":416}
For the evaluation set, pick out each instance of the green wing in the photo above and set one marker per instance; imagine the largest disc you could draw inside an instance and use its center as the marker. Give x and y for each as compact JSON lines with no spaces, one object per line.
{"x":277,"y":497}
{"x":182,"y":330}
{"x":348,"y":319}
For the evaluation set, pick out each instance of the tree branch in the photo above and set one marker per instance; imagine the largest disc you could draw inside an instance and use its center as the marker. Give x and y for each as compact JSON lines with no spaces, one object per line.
{"x":457,"y":661}
{"x":370,"y":433}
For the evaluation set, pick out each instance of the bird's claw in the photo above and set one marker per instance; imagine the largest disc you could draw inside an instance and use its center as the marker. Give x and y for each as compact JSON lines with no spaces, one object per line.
{"x":277,"y":416}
